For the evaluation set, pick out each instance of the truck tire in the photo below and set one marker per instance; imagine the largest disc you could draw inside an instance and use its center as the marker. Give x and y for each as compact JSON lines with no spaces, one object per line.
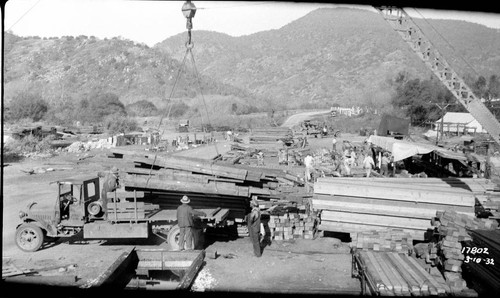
{"x":173,"y":237}
{"x":29,"y":237}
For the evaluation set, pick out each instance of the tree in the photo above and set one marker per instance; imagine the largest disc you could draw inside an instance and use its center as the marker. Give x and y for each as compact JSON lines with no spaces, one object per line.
{"x":480,"y":87}
{"x":62,"y":114}
{"x":177,"y":109}
{"x":419,"y":98}
{"x":142,"y":108}
{"x":99,"y":105}
{"x":26,"y":105}
{"x":494,"y":87}
{"x":117,"y":123}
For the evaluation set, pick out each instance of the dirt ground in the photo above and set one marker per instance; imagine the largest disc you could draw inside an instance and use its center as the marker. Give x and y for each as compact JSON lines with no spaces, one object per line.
{"x":322,"y":265}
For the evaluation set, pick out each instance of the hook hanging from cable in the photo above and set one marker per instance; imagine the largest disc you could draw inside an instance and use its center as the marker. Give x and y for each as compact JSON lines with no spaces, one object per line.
{"x":189,"y":10}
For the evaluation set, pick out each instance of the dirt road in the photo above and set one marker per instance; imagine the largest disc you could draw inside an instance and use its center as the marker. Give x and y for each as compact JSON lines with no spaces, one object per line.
{"x":297,"y":118}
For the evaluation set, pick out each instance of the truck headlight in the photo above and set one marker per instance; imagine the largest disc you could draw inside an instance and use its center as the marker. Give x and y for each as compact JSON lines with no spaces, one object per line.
{"x":22,"y":214}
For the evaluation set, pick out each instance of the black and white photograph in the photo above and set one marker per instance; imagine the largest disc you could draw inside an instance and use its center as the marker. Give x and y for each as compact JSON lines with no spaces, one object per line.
{"x":250,"y":148}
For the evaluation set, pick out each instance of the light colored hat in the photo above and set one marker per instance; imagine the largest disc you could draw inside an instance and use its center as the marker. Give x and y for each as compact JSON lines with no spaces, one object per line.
{"x":185,"y":200}
{"x":114,"y":170}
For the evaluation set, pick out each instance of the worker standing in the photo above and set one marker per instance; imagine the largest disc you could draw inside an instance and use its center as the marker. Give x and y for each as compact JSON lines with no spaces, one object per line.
{"x":384,"y":165}
{"x":368,"y":164}
{"x":308,"y":162}
{"x":110,"y":184}
{"x":260,"y":158}
{"x":334,"y":144}
{"x":185,"y":221}
{"x":253,"y":222}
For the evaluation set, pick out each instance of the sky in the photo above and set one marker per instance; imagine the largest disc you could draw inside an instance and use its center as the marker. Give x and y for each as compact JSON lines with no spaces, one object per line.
{"x":151,"y":22}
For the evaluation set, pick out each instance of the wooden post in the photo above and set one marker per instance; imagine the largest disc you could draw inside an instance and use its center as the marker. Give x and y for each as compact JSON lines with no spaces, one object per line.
{"x":135,"y":203}
{"x":116,"y":215}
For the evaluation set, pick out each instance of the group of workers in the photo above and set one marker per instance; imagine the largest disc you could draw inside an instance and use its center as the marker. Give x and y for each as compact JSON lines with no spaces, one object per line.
{"x":347,"y":158}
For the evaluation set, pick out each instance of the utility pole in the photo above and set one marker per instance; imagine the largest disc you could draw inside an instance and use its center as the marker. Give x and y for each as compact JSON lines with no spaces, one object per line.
{"x":443,"y":109}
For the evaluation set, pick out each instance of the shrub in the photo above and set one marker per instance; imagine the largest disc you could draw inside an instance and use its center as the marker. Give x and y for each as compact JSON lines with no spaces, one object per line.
{"x":26,"y":105}
{"x":29,"y":144}
{"x":177,"y":109}
{"x":118,"y":123}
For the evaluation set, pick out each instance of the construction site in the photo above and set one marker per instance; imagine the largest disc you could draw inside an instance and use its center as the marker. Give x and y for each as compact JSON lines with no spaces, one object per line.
{"x":380,"y":212}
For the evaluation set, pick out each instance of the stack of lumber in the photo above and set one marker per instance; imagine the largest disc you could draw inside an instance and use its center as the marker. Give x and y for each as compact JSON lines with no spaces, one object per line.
{"x":292,"y":226}
{"x":428,"y":252}
{"x":209,"y":184}
{"x":483,"y":251}
{"x":397,"y":274}
{"x":263,"y":135}
{"x":237,"y":153}
{"x":452,"y":228}
{"x":361,"y":204}
{"x":395,"y":240}
{"x":452,"y":221}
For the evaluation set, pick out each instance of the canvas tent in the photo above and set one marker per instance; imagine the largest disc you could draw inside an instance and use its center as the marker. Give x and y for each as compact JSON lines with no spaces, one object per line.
{"x":459,"y":123}
{"x":403,"y":149}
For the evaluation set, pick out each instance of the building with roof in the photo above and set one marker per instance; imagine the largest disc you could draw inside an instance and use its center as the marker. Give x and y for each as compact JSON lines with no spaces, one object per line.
{"x":459,"y":123}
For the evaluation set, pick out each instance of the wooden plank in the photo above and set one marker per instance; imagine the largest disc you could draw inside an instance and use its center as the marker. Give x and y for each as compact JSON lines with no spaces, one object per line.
{"x":405,"y":291}
{"x":404,"y":272}
{"x":120,"y":193}
{"x":373,"y":209}
{"x":397,"y":287}
{"x":440,"y":289}
{"x":46,"y":280}
{"x":373,"y":275}
{"x":190,"y":274}
{"x":385,"y":279}
{"x":429,"y":180}
{"x":10,"y":270}
{"x":126,"y":205}
{"x":112,"y":271}
{"x":391,"y":203}
{"x":439,"y":188}
{"x":388,"y":221}
{"x":424,"y":283}
{"x":222,"y":188}
{"x":355,"y":228}
{"x":394,"y":194}
{"x":195,"y":165}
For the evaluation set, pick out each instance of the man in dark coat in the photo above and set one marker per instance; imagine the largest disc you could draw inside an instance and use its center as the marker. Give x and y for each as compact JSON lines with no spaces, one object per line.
{"x":185,"y":220}
{"x":110,"y":184}
{"x":253,"y":222}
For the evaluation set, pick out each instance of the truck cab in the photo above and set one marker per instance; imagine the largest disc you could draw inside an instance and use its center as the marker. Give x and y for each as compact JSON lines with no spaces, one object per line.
{"x":75,"y":197}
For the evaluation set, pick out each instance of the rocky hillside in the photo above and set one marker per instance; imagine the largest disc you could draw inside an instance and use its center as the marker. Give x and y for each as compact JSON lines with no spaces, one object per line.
{"x":330,"y":56}
{"x":336,"y":55}
{"x":71,"y":68}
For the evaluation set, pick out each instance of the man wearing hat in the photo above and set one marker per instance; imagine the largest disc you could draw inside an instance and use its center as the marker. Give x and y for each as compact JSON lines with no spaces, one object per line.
{"x":110,"y":184}
{"x":185,"y":220}
{"x":384,"y":167}
{"x":253,"y":222}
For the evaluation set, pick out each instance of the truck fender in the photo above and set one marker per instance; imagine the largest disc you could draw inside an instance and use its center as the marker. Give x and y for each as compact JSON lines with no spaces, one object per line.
{"x":33,"y":222}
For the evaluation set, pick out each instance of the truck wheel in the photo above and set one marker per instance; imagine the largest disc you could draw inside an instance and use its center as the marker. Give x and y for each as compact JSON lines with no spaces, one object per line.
{"x":173,"y":237}
{"x":29,"y":237}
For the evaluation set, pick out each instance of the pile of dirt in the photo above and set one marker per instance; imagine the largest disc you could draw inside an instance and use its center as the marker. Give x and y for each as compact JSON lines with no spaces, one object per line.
{"x":204,"y":281}
{"x":78,"y":146}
